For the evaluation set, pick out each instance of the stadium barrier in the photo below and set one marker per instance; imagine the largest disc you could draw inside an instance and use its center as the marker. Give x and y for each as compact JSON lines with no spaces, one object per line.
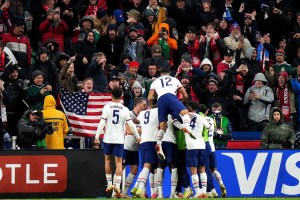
{"x":80,"y":173}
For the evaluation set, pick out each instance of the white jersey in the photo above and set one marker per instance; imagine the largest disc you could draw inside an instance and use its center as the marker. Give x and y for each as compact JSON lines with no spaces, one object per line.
{"x":115,"y":115}
{"x":130,"y":142}
{"x":211,"y":133}
{"x":149,"y":124}
{"x":197,"y":123}
{"x":165,"y":84}
{"x":169,"y":135}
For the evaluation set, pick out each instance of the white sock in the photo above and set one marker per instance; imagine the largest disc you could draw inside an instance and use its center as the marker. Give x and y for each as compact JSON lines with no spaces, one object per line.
{"x":118,"y":180}
{"x":203,"y":178}
{"x":195,"y":181}
{"x":143,"y":176}
{"x":218,"y":177}
{"x":108,"y":179}
{"x":174,"y":179}
{"x":128,"y":182}
{"x":186,"y":120}
{"x":159,"y":180}
{"x":152,"y":183}
{"x":159,"y":136}
{"x":213,"y":190}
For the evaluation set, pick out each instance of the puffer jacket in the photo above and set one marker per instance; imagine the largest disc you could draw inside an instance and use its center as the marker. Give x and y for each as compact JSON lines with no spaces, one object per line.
{"x":277,"y":134}
{"x":59,"y":124}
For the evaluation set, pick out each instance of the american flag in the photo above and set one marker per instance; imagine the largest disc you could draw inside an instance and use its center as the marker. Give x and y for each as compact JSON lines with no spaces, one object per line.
{"x":83,"y":110}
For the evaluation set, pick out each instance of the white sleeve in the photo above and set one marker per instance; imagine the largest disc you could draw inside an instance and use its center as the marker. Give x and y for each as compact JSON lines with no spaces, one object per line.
{"x":133,"y":128}
{"x":102,"y":122}
{"x":178,"y":124}
{"x":204,"y":122}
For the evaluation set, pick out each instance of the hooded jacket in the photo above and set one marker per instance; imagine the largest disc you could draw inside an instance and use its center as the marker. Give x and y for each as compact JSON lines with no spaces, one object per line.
{"x":259,"y":109}
{"x":59,"y":124}
{"x":277,"y":134}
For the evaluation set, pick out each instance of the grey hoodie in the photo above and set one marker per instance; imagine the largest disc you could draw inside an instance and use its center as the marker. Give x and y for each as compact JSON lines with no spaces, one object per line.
{"x":259,"y":109}
{"x":249,"y":52}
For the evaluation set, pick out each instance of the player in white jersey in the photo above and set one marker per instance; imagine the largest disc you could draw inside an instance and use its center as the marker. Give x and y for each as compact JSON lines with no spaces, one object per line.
{"x":212,"y":158}
{"x":149,"y":125}
{"x":114,"y":116}
{"x":196,"y":154}
{"x":131,"y":147}
{"x":166,"y":88}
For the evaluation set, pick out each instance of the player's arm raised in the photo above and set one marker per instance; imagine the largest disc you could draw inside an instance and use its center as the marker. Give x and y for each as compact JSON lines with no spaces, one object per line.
{"x":151,"y":98}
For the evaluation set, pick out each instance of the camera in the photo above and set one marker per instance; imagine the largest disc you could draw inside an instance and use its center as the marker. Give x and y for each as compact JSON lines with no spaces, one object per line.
{"x":164,"y":30}
{"x":265,"y":7}
{"x":44,"y":127}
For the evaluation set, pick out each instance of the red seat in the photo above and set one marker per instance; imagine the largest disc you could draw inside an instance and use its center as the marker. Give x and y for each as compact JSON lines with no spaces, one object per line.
{"x":243,"y":144}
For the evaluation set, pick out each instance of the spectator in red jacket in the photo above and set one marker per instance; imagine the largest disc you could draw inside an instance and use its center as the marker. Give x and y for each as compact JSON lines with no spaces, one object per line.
{"x":54,"y":27}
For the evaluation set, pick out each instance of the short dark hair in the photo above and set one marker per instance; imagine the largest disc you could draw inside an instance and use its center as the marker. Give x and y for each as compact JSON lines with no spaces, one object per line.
{"x":194,"y":105}
{"x":165,"y":71}
{"x":116,"y":93}
{"x":216,"y":105}
{"x":138,"y":100}
{"x":213,"y":24}
{"x":203,"y":108}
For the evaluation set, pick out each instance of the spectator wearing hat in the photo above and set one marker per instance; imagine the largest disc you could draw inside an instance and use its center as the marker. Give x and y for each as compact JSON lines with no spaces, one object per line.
{"x":190,"y":44}
{"x":133,"y":21}
{"x":150,"y":76}
{"x":135,"y":45}
{"x":248,"y":25}
{"x":236,"y":41}
{"x":86,"y":48}
{"x":212,"y":44}
{"x":259,"y":98}
{"x":37,"y":91}
{"x":285,"y":98}
{"x":118,"y":16}
{"x":85,"y":24}
{"x":137,"y":91}
{"x":99,"y":70}
{"x":60,"y":60}
{"x":286,"y":46}
{"x":186,"y":67}
{"x":114,"y":82}
{"x":162,"y":38}
{"x":227,"y":63}
{"x":223,"y":28}
{"x":131,"y":75}
{"x":156,"y":58}
{"x":15,"y":39}
{"x":250,"y":59}
{"x":54,"y":27}
{"x":265,"y":50}
{"x":111,"y":45}
{"x":11,"y":87}
{"x":53,"y":49}
{"x":281,"y":64}
{"x":125,"y":60}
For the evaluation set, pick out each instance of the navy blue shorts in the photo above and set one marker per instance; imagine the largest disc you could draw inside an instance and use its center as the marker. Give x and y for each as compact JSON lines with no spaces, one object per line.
{"x":113,"y":149}
{"x":212,"y":160}
{"x":130,"y":157}
{"x":169,"y":104}
{"x":195,"y":157}
{"x":171,"y":153}
{"x":148,"y":153}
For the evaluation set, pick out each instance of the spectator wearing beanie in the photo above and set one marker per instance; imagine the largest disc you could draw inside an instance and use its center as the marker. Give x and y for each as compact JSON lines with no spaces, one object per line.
{"x":156,"y":58}
{"x":236,"y":41}
{"x":111,"y":45}
{"x":37,"y":91}
{"x":86,"y":48}
{"x":248,"y":25}
{"x":280,"y":64}
{"x":131,"y":74}
{"x":125,"y":59}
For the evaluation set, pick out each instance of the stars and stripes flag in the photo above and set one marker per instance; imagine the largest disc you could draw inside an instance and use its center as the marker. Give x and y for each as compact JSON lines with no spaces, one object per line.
{"x":83,"y":110}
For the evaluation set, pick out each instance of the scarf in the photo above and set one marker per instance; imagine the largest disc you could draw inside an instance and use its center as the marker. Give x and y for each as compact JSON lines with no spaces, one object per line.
{"x":92,"y":10}
{"x":240,"y":84}
{"x":193,"y":50}
{"x":283,"y":95}
{"x":166,"y":51}
{"x":262,"y":55}
{"x":5,"y":22}
{"x":132,"y":49}
{"x":2,"y":62}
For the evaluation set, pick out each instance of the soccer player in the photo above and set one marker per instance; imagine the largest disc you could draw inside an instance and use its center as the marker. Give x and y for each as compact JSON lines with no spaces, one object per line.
{"x":114,"y":116}
{"x":196,"y":154}
{"x":166,"y":88}
{"x":131,"y":154}
{"x":149,"y":125}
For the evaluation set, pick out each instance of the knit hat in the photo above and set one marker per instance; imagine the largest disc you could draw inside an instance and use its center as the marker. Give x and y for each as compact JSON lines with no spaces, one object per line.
{"x":50,"y":10}
{"x":112,"y":26}
{"x":36,"y":73}
{"x":42,"y":50}
{"x":134,"y":64}
{"x":87,"y":18}
{"x":118,"y":14}
{"x":134,"y":13}
{"x":284,"y":74}
{"x":101,"y":13}
{"x":185,"y":75}
{"x":19,"y":23}
{"x":228,"y":52}
{"x":114,"y":77}
{"x":191,"y":29}
{"x":280,"y":52}
{"x":186,"y":57}
{"x":282,"y":39}
{"x":125,"y":55}
{"x":234,"y":25}
{"x":156,"y":48}
{"x":149,"y":13}
{"x":213,"y":81}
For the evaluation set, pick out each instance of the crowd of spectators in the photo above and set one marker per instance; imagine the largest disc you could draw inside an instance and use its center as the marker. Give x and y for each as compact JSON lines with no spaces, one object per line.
{"x":244,"y":55}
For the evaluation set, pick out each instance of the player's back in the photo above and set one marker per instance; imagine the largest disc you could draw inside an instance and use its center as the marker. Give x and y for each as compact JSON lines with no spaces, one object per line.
{"x":169,"y":135}
{"x":211,"y":133}
{"x":116,"y":115}
{"x":149,"y":124}
{"x":165,"y":85}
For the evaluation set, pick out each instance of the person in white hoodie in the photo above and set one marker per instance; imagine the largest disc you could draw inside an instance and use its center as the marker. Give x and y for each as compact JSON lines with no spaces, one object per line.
{"x":259,"y":97}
